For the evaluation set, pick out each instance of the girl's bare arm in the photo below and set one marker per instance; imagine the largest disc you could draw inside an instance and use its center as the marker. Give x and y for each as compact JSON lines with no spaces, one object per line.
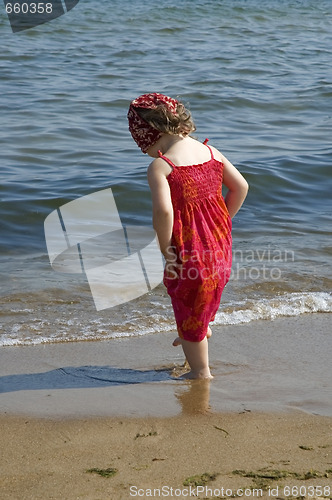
{"x":162,"y":208}
{"x":236,"y":184}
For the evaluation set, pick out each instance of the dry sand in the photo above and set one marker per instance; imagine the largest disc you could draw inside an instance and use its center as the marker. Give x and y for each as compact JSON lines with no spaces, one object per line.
{"x":262,"y":455}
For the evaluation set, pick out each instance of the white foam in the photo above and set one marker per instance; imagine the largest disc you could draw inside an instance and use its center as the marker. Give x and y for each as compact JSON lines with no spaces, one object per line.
{"x":138,"y":322}
{"x":292,"y":304}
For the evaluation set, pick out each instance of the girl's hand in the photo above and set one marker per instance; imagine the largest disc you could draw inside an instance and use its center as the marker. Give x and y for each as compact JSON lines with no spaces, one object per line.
{"x":173,"y":269}
{"x":172,"y":266}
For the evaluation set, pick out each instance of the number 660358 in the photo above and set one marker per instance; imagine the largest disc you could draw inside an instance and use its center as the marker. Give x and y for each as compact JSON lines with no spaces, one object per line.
{"x":29,"y":8}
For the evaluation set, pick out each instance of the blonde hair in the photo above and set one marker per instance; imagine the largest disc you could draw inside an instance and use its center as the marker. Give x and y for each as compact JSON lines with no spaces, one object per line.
{"x":162,"y":119}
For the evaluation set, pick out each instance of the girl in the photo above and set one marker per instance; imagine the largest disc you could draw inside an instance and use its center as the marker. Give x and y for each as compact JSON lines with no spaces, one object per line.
{"x":190,"y":216}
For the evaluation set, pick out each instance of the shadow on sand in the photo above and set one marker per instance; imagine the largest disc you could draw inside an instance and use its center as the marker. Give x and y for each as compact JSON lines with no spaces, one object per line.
{"x":81,"y":377}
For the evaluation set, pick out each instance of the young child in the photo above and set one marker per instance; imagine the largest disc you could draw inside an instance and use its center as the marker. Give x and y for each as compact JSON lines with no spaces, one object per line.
{"x":190,"y":216}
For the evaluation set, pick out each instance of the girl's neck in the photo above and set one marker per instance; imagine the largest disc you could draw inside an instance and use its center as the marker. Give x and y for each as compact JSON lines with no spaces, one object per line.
{"x":165,"y":144}
{"x":168,"y":141}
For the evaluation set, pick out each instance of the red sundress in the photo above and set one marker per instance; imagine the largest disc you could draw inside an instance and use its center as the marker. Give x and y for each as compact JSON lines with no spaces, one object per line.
{"x":203,"y":244}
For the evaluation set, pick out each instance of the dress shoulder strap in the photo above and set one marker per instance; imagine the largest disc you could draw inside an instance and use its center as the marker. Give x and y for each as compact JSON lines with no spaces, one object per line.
{"x":166,"y":159}
{"x":206,"y":144}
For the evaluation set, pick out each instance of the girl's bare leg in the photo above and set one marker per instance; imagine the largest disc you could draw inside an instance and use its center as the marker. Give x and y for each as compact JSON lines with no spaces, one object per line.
{"x":178,"y":340}
{"x":197,"y":355}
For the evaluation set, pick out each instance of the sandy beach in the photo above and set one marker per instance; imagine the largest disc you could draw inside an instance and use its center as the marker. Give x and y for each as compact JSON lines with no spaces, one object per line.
{"x":91,"y":403}
{"x":217,"y":455}
{"x":110,"y":420}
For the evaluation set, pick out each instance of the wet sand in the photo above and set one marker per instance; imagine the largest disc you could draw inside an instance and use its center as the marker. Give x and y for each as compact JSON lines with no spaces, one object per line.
{"x":263,"y":366}
{"x":116,"y":409}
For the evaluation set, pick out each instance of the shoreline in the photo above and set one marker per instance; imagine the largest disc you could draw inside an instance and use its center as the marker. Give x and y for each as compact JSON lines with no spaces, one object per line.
{"x":265,"y":366}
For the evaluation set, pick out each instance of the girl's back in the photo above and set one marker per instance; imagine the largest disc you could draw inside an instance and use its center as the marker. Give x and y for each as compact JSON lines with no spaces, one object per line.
{"x":193,"y":183}
{"x":188,"y":152}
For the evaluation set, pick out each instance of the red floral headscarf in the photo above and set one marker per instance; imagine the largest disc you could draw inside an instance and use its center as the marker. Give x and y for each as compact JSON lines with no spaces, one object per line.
{"x":144,"y":134}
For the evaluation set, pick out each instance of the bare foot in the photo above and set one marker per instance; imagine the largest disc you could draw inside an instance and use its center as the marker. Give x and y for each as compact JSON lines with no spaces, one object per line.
{"x":196,"y":376}
{"x":178,"y":340}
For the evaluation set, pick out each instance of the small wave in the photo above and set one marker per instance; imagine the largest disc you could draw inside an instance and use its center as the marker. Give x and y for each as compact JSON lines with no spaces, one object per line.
{"x":293,"y":304}
{"x":38,"y":331}
{"x":55,"y":329}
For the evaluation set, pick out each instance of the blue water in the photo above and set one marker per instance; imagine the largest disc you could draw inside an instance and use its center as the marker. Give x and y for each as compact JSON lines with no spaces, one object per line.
{"x":257,"y":77}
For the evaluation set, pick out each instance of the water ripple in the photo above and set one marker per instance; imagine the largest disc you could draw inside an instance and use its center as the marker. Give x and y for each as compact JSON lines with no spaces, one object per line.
{"x":257,"y":76}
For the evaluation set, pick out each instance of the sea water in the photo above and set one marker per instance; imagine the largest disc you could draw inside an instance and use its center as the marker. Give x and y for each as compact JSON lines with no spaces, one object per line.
{"x":257,"y":77}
